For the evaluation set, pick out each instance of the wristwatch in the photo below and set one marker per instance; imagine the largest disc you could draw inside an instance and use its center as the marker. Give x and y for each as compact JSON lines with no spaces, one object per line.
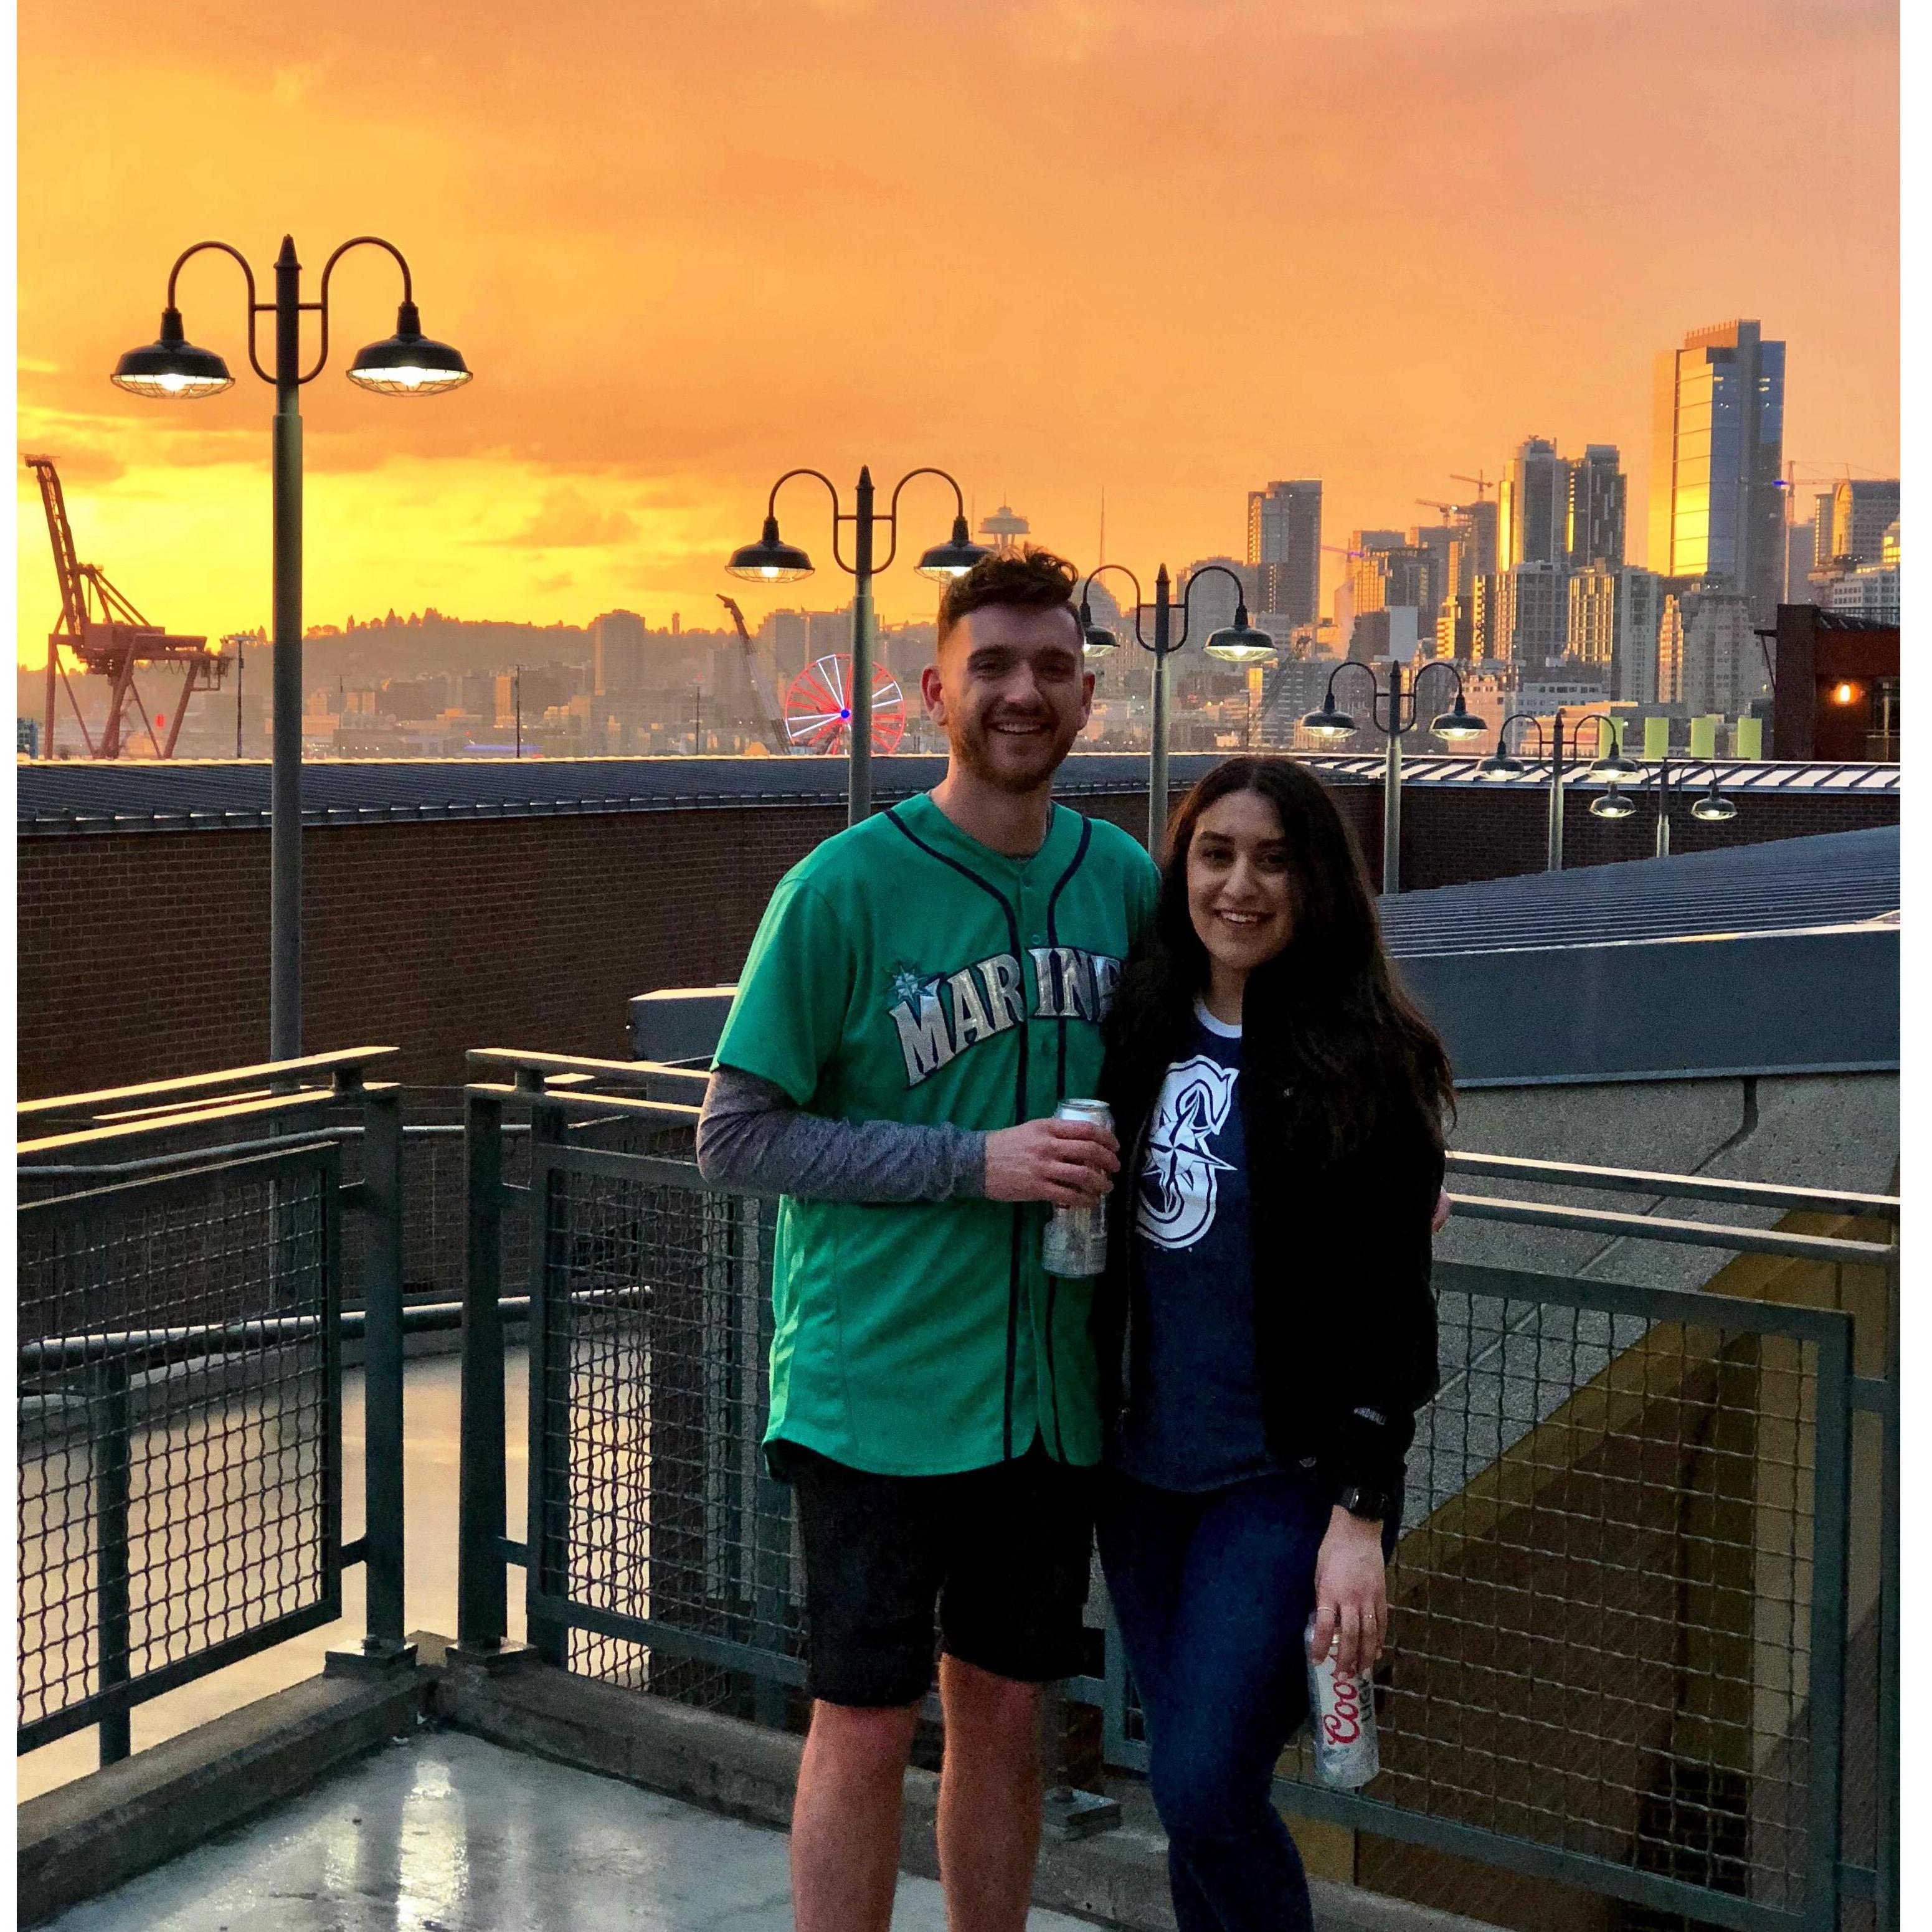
{"x":1371,"y":1505}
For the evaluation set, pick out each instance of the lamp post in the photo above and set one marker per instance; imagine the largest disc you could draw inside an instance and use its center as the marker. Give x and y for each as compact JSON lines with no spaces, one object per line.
{"x":1612,"y":765}
{"x":1713,"y":809}
{"x":1238,"y":643}
{"x":772,"y":560}
{"x":1452,"y":727}
{"x":173,"y":369}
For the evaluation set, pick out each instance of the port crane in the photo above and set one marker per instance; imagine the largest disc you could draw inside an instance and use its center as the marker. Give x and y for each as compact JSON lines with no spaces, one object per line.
{"x":770,"y":722}
{"x":110,"y":638}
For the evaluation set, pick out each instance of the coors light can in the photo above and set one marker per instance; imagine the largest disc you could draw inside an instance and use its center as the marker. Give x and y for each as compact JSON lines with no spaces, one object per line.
{"x":1341,"y":1713}
{"x":1075,"y":1241}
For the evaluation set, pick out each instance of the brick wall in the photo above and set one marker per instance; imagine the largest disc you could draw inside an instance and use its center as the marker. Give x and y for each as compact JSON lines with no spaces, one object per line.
{"x":145,"y":954}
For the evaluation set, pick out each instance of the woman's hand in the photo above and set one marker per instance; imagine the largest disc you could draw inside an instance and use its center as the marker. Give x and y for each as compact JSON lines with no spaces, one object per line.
{"x":1351,"y":1593}
{"x":1439,"y":1219}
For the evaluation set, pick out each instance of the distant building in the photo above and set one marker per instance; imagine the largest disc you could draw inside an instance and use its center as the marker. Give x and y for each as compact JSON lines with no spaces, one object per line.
{"x":1285,"y":547}
{"x":1533,"y":508}
{"x":1594,"y":519}
{"x":1614,"y":615}
{"x":1592,"y":637}
{"x":1670,"y":650}
{"x":1724,"y":667}
{"x":1800,"y":548}
{"x":1871,"y":592}
{"x":1861,"y":512}
{"x":1212,"y":604}
{"x":617,"y":647}
{"x":783,"y":634}
{"x":1532,"y":615}
{"x":1717,"y":428}
{"x":828,"y":633}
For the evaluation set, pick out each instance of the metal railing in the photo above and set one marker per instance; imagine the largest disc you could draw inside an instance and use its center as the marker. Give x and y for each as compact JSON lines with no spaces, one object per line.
{"x":182,"y":1263}
{"x":1631,"y":1567}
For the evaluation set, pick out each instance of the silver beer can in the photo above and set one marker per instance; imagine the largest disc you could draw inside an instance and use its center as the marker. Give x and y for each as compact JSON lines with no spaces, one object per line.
{"x":1342,"y":1716}
{"x":1075,"y":1244}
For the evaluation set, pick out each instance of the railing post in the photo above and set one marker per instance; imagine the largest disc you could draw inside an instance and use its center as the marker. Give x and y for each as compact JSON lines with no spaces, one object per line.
{"x":550,"y":1332}
{"x":771,"y":1579}
{"x":481,"y":1606}
{"x":383,"y":1374}
{"x":110,"y":1550}
{"x":1887,"y":1908}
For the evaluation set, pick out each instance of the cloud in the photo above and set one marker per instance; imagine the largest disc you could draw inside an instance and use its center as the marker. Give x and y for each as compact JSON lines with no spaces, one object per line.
{"x":568,"y":520}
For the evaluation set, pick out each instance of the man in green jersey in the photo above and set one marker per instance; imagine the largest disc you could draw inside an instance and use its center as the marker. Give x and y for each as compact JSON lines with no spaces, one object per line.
{"x":923,"y":991}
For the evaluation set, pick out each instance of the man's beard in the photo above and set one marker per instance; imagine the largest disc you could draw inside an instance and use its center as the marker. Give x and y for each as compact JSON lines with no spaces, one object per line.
{"x":970,"y":742}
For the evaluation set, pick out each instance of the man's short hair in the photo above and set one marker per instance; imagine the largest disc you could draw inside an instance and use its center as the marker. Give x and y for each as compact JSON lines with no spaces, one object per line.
{"x":1032,"y":579}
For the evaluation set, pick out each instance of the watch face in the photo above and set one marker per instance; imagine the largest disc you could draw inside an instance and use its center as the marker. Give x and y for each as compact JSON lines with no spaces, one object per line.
{"x":1364,"y":1503}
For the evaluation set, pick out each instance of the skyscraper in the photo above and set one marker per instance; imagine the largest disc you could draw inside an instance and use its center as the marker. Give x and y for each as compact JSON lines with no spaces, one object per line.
{"x":1614,"y":614}
{"x":1285,"y":547}
{"x":1862,"y":513}
{"x":1716,"y":510}
{"x":1594,"y":523}
{"x":617,"y":645}
{"x":1534,"y":506}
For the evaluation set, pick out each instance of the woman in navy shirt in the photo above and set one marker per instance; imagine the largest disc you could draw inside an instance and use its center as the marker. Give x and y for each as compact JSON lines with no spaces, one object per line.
{"x":1266,"y":1331}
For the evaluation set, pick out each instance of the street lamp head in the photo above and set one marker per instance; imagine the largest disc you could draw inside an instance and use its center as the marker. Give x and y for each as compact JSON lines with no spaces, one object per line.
{"x":173,"y":369}
{"x":1616,"y":768}
{"x":1613,"y":804}
{"x":1328,"y":722}
{"x":1500,"y":765}
{"x":1240,"y":643}
{"x":1714,"y":808}
{"x":1458,"y":723}
{"x":769,"y":560}
{"x":408,"y":364}
{"x":954,"y":558}
{"x":1096,"y":639}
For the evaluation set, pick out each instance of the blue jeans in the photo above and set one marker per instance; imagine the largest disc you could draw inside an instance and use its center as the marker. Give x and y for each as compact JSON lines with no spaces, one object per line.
{"x":1212,"y":1594}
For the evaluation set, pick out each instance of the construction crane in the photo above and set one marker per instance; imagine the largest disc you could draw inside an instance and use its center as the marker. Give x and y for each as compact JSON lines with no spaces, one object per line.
{"x":1445,"y":510}
{"x":777,"y":738}
{"x":1484,"y":484}
{"x":109,"y":638}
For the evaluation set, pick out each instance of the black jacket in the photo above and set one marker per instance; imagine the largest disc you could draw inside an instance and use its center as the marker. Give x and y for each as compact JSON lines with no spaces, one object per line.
{"x":1344,"y":1317}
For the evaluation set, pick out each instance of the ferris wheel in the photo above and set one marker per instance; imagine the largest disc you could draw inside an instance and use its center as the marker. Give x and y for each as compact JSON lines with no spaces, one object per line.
{"x":818,"y":709}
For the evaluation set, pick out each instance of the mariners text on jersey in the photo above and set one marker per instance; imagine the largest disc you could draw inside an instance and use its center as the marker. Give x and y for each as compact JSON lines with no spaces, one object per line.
{"x":940,"y":1017}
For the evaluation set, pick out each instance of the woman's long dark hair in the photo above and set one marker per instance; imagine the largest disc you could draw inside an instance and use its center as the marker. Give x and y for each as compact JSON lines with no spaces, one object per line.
{"x":1326,"y":1017}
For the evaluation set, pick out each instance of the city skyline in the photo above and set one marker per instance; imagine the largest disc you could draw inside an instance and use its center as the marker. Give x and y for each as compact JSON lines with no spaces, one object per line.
{"x":648,"y":357}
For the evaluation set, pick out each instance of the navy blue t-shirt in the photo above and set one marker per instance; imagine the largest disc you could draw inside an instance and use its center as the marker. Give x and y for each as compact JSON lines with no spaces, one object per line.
{"x":1194,"y":1406}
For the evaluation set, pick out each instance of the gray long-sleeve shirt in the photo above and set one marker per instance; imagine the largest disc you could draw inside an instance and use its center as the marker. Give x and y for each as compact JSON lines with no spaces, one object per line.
{"x":750,"y":1137}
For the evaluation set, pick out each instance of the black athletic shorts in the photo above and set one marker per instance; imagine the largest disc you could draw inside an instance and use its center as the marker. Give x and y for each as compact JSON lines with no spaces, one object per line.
{"x":1003,"y":1552}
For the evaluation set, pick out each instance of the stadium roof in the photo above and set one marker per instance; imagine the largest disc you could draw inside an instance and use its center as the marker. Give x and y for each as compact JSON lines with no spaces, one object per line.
{"x":70,"y":796}
{"x":1835,"y":878}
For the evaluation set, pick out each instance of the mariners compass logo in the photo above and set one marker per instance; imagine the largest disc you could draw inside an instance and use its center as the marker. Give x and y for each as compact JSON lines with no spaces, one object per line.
{"x":1181,"y":1181}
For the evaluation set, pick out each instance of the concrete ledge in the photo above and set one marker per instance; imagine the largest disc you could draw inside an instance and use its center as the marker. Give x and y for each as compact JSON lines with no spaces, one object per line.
{"x":1118,"y":1878}
{"x":111,"y":1825}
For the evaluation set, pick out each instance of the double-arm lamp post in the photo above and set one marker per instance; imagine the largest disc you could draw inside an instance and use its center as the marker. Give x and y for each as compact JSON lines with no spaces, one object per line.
{"x":1392,"y":712}
{"x":772,"y":560}
{"x":173,"y":369}
{"x":1239,"y":642}
{"x":1713,"y":808}
{"x":1610,"y":765}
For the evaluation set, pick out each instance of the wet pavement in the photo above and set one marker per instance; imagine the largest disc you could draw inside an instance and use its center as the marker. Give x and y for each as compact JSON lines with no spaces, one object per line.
{"x":446,"y":1833}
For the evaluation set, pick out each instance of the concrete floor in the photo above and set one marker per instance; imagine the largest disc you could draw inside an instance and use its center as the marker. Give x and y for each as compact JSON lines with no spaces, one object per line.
{"x":445,"y":1833}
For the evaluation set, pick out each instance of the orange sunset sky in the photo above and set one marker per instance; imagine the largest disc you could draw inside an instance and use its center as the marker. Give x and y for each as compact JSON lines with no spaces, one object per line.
{"x":1168,"y":248}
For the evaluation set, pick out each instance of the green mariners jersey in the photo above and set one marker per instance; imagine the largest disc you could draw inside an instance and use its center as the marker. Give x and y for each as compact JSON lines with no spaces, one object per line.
{"x":905,"y":972}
